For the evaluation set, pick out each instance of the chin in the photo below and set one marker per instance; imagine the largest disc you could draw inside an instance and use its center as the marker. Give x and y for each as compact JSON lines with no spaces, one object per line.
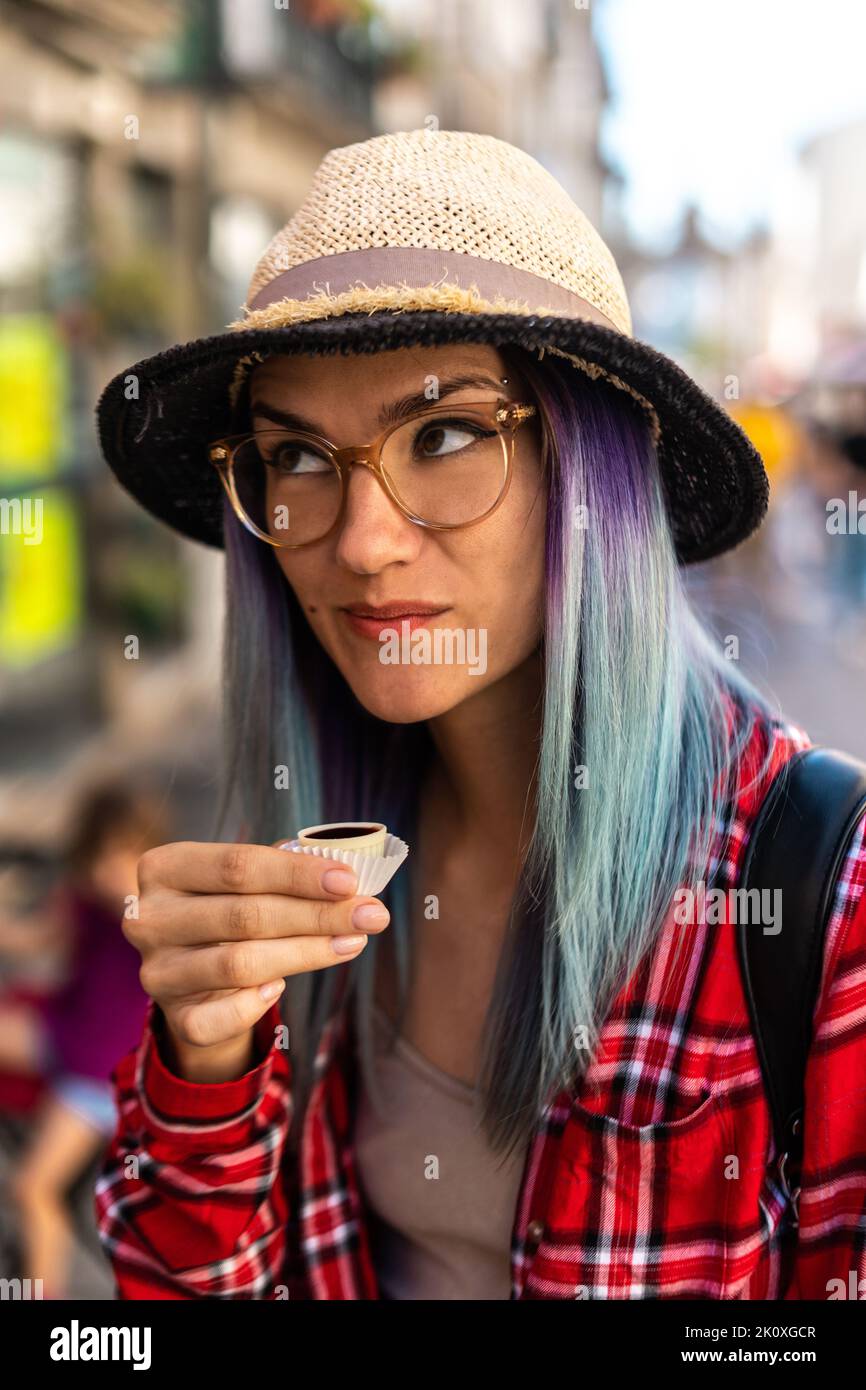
{"x":404,"y":698}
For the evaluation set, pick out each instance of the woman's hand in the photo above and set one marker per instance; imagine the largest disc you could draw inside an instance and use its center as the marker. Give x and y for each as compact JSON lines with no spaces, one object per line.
{"x":219,"y":927}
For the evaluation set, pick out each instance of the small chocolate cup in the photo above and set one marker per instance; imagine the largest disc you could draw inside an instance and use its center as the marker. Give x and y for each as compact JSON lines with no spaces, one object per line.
{"x":358,"y":837}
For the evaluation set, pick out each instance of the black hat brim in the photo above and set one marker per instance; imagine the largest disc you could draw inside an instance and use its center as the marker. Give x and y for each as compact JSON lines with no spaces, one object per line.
{"x":157,"y":418}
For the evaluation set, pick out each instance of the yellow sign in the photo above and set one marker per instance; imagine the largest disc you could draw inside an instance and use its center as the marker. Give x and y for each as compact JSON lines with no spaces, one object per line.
{"x":40,"y":576}
{"x":40,"y":554}
{"x":33,"y":397}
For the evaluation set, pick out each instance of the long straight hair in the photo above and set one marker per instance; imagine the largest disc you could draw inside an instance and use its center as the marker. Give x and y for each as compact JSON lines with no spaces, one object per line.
{"x":635,"y":752}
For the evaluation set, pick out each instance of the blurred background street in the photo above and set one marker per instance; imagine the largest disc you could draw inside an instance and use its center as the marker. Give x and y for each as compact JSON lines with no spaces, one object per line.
{"x":147,"y":154}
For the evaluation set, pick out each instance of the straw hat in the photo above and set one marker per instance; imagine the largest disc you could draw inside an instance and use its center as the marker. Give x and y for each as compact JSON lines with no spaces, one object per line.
{"x":423,"y":238}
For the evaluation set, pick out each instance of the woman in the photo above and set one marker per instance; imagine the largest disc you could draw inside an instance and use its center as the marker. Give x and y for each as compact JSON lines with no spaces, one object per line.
{"x":536,"y":1082}
{"x":74,"y":1036}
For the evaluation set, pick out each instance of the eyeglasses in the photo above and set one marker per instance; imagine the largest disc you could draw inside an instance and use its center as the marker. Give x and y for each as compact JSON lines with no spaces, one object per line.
{"x":444,"y":468}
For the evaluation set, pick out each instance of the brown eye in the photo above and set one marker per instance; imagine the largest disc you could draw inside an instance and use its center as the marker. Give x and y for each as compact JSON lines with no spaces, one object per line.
{"x":293,"y":458}
{"x":446,"y":437}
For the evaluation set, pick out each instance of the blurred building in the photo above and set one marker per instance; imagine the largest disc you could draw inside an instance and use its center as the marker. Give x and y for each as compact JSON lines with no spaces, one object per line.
{"x":147,"y":154}
{"x":528,"y":73}
{"x":836,"y":285}
{"x":678,"y":297}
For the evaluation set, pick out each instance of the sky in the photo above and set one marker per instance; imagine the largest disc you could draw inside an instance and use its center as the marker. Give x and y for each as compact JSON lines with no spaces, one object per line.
{"x":709,"y":102}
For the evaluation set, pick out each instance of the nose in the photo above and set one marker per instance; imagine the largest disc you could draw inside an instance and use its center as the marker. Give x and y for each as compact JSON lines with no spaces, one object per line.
{"x":374,"y":532}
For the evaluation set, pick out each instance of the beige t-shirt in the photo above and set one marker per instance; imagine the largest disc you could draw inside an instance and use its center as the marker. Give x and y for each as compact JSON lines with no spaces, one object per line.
{"x":441,"y":1203}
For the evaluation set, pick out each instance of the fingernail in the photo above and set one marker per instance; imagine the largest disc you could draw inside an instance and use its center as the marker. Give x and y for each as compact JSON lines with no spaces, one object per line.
{"x":370,"y":915}
{"x":340,"y":881}
{"x":273,"y":989}
{"x":345,"y":945}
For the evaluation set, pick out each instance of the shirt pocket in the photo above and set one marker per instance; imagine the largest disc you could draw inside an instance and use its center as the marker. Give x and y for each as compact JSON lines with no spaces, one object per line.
{"x":638,"y":1211}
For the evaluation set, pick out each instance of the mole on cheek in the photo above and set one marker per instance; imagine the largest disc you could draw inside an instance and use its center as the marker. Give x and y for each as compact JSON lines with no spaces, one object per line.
{"x":313,"y":608}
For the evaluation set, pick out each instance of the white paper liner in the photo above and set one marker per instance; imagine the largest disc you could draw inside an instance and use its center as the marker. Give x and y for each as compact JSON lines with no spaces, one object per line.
{"x":374,"y":871}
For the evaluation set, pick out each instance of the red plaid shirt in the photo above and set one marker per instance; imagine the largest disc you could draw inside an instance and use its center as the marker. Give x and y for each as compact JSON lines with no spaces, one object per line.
{"x":655,"y":1178}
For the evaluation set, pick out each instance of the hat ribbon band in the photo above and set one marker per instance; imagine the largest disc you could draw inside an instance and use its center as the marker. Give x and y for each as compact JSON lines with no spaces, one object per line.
{"x":417,"y":267}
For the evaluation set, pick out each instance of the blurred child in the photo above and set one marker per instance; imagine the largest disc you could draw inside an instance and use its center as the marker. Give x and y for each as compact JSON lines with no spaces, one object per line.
{"x":75,"y":1037}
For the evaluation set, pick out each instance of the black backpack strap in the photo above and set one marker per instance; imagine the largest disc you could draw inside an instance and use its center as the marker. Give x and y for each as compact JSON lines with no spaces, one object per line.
{"x":798,"y":841}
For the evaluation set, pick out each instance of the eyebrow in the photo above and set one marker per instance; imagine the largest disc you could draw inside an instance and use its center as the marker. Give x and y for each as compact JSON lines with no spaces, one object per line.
{"x":390,"y":414}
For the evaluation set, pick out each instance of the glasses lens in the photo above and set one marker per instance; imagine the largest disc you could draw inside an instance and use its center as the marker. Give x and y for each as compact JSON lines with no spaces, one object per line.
{"x":287,"y":486}
{"x":448,"y":466}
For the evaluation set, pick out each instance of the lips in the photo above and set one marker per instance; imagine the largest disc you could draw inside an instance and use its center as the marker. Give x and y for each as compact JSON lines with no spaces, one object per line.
{"x":369,"y":621}
{"x":404,"y":608}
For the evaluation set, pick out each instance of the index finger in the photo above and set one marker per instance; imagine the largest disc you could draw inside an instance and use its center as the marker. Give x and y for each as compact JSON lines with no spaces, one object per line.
{"x":189,"y":866}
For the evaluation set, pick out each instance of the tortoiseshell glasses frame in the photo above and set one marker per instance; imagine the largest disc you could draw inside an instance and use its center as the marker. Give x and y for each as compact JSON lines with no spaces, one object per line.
{"x":502,"y":415}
